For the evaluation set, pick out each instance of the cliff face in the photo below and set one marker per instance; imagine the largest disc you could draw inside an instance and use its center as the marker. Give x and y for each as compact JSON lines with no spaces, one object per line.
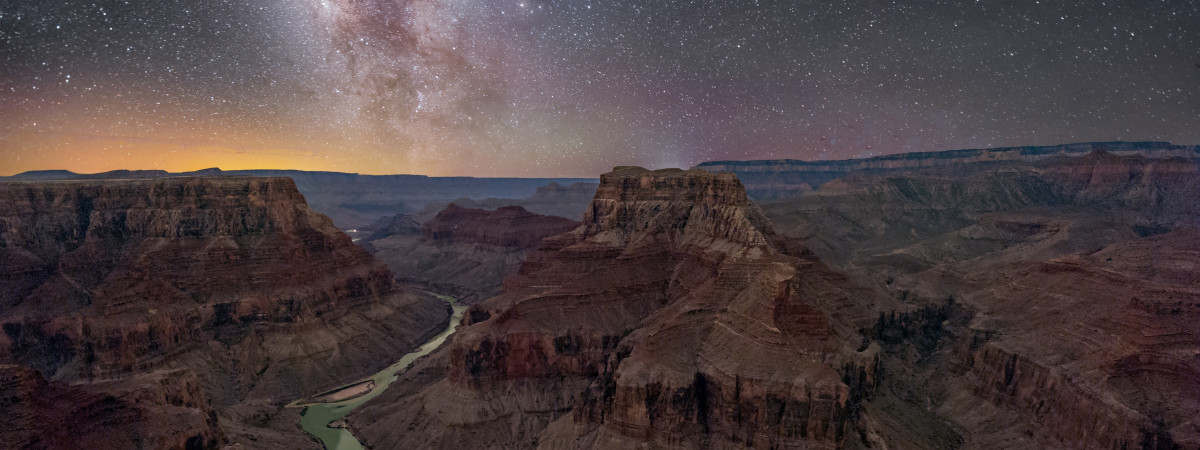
{"x":775,"y":179}
{"x":357,"y":201}
{"x":919,"y":219}
{"x":168,"y":264}
{"x":1109,"y":358}
{"x":464,"y":252}
{"x":509,"y":226}
{"x":1166,"y":190}
{"x":163,"y":410}
{"x":646,"y":237}
{"x":638,"y":321}
{"x":232,"y":279}
{"x":1060,"y":273}
{"x":553,"y":199}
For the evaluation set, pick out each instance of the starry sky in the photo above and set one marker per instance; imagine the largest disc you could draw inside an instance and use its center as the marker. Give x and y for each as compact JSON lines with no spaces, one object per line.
{"x":572,"y":88}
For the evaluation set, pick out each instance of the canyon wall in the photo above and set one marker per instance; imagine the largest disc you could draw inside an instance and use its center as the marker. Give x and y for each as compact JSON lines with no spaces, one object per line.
{"x":462,"y":251}
{"x":1061,"y":272}
{"x":508,"y":226}
{"x":553,"y":199}
{"x":357,"y":201}
{"x":637,"y":321}
{"x":773,"y":179}
{"x":1046,"y":303}
{"x":231,"y":279}
{"x":158,"y":410}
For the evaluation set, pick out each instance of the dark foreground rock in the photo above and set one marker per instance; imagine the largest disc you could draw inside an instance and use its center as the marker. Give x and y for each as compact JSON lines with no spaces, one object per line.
{"x":233,"y":282}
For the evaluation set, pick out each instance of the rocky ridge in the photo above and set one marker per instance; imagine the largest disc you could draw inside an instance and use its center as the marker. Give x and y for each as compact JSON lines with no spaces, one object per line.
{"x":1034,"y":305}
{"x":553,"y":199}
{"x":637,"y":322}
{"x":1060,"y":334}
{"x":356,"y":201}
{"x":157,"y":410}
{"x":508,"y":226}
{"x":461,"y":251}
{"x":775,"y":179}
{"x":233,"y":280}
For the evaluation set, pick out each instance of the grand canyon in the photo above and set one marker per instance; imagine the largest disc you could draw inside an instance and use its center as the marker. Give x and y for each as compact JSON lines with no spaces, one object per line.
{"x":579,"y":224}
{"x":1027,"y":297}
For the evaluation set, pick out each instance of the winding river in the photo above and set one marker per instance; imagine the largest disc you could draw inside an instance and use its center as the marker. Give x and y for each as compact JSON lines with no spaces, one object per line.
{"x":323,"y":409}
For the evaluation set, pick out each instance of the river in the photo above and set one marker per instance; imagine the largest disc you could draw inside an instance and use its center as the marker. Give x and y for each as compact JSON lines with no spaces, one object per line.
{"x":317,"y":415}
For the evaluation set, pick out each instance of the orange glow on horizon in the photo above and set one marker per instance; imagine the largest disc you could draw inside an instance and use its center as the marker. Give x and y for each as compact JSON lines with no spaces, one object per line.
{"x":21,"y":152}
{"x":24,"y":151}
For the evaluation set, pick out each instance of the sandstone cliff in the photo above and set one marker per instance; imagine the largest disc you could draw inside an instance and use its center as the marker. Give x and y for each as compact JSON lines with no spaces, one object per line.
{"x":461,"y":251}
{"x":638,"y":321}
{"x":1046,"y":303}
{"x":232,"y":279}
{"x":356,"y":201}
{"x":1059,"y":274}
{"x":775,"y":179}
{"x":550,"y":200}
{"x":509,"y":226}
{"x":159,"y":410}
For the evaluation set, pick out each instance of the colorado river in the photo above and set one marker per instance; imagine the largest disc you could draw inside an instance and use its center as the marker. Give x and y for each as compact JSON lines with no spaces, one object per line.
{"x":318,"y":415}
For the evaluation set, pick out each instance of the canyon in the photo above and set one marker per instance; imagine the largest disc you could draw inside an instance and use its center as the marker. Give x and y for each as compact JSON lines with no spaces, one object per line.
{"x":774,"y":179}
{"x":1032,"y":297}
{"x":635,"y":327}
{"x":1041,"y":302}
{"x":212,"y":299}
{"x":357,"y":201}
{"x":464,"y":252}
{"x":1074,"y":296}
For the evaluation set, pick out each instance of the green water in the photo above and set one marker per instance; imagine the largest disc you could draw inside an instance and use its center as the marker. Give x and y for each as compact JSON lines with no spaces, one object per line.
{"x":317,"y":416}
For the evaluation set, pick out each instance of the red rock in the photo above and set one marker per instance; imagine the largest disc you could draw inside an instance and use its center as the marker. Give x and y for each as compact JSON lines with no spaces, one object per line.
{"x":777,"y":179}
{"x":464,"y":252}
{"x":161,"y":410}
{"x":234,"y":280}
{"x":653,"y":299}
{"x":1061,"y":271}
{"x":508,"y":226}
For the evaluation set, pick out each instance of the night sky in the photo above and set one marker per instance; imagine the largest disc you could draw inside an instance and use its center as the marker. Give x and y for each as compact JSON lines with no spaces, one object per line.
{"x":572,"y":88}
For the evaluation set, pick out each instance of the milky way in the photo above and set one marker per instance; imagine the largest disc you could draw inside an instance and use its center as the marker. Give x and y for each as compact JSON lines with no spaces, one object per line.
{"x":571,"y":88}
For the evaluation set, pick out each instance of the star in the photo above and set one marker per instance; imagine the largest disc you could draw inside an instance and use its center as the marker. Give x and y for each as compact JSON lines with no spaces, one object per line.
{"x":469,"y":87}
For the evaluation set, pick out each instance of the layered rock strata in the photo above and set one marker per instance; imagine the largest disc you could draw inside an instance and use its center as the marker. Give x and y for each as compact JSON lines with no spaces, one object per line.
{"x":774,"y":179}
{"x":158,"y":410}
{"x":639,"y":321}
{"x":232,"y":279}
{"x":553,"y":199}
{"x":1061,"y":272}
{"x":355,"y":201}
{"x":464,"y":252}
{"x":508,"y":226}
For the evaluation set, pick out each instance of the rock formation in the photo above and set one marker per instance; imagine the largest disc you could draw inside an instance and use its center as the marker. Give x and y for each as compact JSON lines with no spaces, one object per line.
{"x":774,"y":179}
{"x":464,"y":252}
{"x":1038,"y":304}
{"x":1061,"y":272}
{"x":356,"y":201}
{"x":1036,"y":297}
{"x":638,"y":322}
{"x":233,"y":280}
{"x":156,"y":410}
{"x":550,"y":200}
{"x":509,"y":226}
